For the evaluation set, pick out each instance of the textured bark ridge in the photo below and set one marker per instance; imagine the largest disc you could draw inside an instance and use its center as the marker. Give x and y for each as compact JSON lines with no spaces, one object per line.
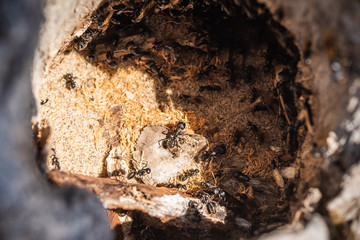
{"x":170,"y":206}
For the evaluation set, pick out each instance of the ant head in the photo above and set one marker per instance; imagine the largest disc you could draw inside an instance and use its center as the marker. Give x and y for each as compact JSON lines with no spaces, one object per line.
{"x":181,"y":125}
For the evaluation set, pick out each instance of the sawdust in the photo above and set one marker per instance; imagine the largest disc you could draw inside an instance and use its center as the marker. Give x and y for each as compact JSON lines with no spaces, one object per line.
{"x":103,"y":111}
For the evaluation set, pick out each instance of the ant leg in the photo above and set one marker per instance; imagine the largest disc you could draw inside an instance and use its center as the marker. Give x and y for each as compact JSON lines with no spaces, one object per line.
{"x":163,"y":140}
{"x":177,"y":144}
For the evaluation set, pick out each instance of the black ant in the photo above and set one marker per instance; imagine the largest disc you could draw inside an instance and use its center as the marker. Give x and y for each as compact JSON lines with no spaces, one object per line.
{"x":70,"y":83}
{"x":128,"y":57}
{"x":130,"y":45}
{"x":222,"y":195}
{"x":218,"y":151}
{"x":211,"y":206}
{"x":89,"y":34}
{"x":193,"y":204}
{"x":242,"y":196}
{"x":181,"y":186}
{"x":184,"y":177}
{"x":109,"y":56}
{"x":172,"y":141}
{"x":214,"y":190}
{"x":237,"y":137}
{"x":190,"y":174}
{"x":131,"y":175}
{"x":255,"y":130}
{"x":191,"y":100}
{"x":218,"y":173}
{"x":292,"y":135}
{"x":115,"y":173}
{"x":139,"y":173}
{"x":207,"y":184}
{"x":219,"y":193}
{"x":204,"y":196}
{"x":122,"y":212}
{"x":154,"y":69}
{"x":143,"y":171}
{"x":162,"y":79}
{"x":241,"y":177}
{"x":44,"y":101}
{"x":206,"y":72}
{"x":177,"y":186}
{"x":55,"y":161}
{"x":253,"y":127}
{"x":259,"y":108}
{"x":193,"y":172}
{"x":214,"y":88}
{"x":80,"y":44}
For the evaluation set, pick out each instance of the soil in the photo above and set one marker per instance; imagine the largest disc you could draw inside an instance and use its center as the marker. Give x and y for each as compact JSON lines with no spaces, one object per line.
{"x":229,"y":77}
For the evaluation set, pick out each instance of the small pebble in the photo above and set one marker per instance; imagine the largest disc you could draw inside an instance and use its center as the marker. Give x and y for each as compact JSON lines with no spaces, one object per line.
{"x":278,"y":178}
{"x":289,"y":172}
{"x":130,"y":95}
{"x":275,"y":149}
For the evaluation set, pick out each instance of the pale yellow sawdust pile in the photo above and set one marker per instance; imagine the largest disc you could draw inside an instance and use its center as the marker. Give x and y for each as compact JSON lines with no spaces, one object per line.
{"x":103,"y":110}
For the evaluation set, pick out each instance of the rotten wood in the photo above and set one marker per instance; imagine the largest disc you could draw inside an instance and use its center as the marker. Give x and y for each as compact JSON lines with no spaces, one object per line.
{"x":169,"y":205}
